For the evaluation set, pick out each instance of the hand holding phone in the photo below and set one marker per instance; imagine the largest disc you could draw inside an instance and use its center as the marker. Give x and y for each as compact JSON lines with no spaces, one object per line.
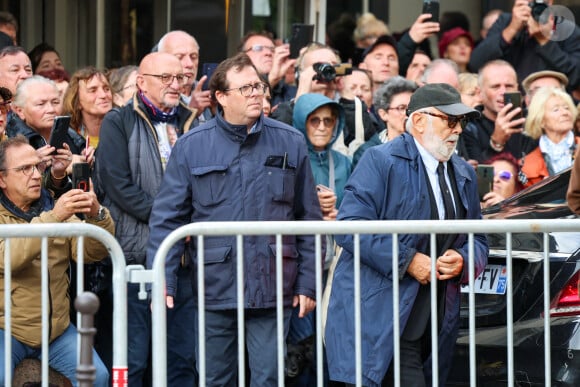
{"x":300,"y":36}
{"x":484,"y":179}
{"x":81,"y":174}
{"x":59,"y":132}
{"x":516,"y":100}
{"x":207,"y":69}
{"x":432,"y":7}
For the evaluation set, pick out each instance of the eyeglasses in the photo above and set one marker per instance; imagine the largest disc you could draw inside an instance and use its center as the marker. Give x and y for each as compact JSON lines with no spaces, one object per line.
{"x":452,"y":121}
{"x":167,"y":79}
{"x":401,"y":108}
{"x":247,"y":90}
{"x":328,"y":122}
{"x":5,"y":107}
{"x":504,"y":175}
{"x":260,"y":48}
{"x":28,"y":170}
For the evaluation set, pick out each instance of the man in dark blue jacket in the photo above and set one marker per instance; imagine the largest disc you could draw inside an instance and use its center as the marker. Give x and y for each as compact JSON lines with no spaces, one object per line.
{"x":240,"y":166}
{"x":403,"y":180}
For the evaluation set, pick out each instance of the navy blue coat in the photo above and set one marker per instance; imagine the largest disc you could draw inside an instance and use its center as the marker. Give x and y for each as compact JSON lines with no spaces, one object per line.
{"x":219,"y":172}
{"x":389,"y":184}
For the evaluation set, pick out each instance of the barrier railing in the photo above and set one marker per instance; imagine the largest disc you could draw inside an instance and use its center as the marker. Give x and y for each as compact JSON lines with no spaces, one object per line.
{"x":82,"y":230}
{"x":356,"y":228}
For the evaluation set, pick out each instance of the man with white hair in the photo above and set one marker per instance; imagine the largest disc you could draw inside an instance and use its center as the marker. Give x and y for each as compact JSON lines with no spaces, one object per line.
{"x":420,"y":166}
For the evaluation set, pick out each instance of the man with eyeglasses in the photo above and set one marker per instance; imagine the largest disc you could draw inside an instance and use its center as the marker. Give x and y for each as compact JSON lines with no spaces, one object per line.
{"x":240,"y":166}
{"x":24,"y":201}
{"x":416,"y":176}
{"x":134,"y":146}
{"x":271,"y":61}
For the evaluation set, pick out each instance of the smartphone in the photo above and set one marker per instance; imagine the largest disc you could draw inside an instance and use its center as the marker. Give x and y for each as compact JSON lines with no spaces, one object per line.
{"x":300,"y":36}
{"x":516,"y":100}
{"x":207,"y":69}
{"x":59,"y":132}
{"x":81,"y":174}
{"x":432,"y":7}
{"x":484,"y":180}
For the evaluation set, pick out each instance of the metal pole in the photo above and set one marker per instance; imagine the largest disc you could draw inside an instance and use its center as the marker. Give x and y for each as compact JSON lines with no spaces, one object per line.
{"x":100,"y":34}
{"x":87,"y":304}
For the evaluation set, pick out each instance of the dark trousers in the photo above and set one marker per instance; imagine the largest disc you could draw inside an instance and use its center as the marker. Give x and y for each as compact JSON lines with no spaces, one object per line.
{"x":222,"y":346}
{"x":181,"y":337}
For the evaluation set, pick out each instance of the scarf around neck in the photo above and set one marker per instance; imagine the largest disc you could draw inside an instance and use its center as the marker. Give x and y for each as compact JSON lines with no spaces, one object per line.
{"x":156,"y":114}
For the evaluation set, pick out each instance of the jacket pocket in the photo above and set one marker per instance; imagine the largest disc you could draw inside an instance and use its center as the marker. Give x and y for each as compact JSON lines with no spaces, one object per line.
{"x":281,"y":183}
{"x":289,"y":265}
{"x":218,"y":273}
{"x":210,"y":186}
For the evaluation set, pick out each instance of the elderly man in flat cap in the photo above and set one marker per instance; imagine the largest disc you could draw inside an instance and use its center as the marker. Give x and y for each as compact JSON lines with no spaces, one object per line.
{"x":414,"y":177}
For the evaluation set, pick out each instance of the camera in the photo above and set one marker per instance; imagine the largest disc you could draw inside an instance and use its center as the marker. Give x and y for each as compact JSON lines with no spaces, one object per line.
{"x":538,"y":7}
{"x":326,"y":72}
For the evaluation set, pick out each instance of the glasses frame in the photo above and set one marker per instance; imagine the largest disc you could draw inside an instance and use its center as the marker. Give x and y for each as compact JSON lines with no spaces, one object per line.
{"x":184,"y":78}
{"x":504,"y":175}
{"x":260,"y":48}
{"x":249,"y":89}
{"x":401,"y":108}
{"x":452,"y":121}
{"x":40,"y":166}
{"x":331,"y":122}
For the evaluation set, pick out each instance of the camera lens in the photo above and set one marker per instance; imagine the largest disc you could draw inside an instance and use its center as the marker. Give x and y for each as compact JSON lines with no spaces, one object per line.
{"x":325,"y":72}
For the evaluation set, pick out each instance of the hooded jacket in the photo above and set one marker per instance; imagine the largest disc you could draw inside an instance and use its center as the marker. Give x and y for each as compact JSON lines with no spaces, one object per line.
{"x":319,"y":160}
{"x":26,"y":274}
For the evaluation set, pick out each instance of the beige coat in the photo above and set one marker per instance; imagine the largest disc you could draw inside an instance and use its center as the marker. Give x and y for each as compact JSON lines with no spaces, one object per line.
{"x":26,"y":277}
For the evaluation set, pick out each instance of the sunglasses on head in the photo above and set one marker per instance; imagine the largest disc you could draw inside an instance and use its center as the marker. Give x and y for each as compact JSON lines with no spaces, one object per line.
{"x":503,"y":175}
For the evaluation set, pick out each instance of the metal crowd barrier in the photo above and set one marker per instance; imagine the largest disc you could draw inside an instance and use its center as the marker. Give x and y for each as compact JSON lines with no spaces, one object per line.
{"x":356,"y":228}
{"x":82,"y":230}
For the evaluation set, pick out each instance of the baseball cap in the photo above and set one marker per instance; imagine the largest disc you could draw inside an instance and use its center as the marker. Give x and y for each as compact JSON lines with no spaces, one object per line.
{"x":543,"y":74}
{"x":443,"y":97}
{"x":383,"y":39}
{"x":449,"y":36}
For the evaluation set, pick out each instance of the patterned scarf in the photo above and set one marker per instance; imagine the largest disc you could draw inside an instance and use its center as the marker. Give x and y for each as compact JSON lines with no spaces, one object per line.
{"x":157,"y":115}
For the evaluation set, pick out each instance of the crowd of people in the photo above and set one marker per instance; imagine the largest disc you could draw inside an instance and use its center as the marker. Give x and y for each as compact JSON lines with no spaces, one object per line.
{"x":395,"y":134}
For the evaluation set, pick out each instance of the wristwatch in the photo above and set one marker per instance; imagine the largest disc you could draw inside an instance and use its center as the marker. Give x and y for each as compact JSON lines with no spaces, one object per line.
{"x":100,"y":215}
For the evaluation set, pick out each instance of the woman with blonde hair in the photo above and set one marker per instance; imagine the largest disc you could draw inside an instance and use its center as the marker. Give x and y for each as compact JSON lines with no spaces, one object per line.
{"x":87,"y":100}
{"x":551,"y":117}
{"x":368,"y":29}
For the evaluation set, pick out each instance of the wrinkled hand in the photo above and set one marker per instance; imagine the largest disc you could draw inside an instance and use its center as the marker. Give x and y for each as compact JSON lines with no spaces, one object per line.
{"x":505,"y":125}
{"x":420,"y":268}
{"x":200,"y":99}
{"x":449,"y":265}
{"x":61,"y":161}
{"x":327,"y":200}
{"x":491,"y":198}
{"x":76,"y":201}
{"x":422,"y":28}
{"x":307,"y":304}
{"x":280,"y":64}
{"x":45,"y":154}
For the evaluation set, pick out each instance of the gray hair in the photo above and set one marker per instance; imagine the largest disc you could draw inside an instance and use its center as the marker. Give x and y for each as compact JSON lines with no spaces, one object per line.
{"x":409,"y":121}
{"x":21,"y":95}
{"x":437,"y":64}
{"x":160,"y":46}
{"x":393,"y":86}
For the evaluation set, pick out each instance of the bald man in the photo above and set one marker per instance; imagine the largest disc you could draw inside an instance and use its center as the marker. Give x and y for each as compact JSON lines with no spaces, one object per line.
{"x":130,"y":164}
{"x":185,"y":48}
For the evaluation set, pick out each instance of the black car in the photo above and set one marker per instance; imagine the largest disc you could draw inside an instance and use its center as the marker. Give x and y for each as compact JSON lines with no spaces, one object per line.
{"x":544,"y":200}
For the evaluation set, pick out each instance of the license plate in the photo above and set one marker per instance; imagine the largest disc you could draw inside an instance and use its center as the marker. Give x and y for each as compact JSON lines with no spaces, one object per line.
{"x":492,"y":280}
